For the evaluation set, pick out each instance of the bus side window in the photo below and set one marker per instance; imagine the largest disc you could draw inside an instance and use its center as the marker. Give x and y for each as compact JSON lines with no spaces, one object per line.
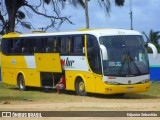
{"x":93,"y":52}
{"x":7,"y":46}
{"x":50,"y":44}
{"x":78,"y":44}
{"x":64,"y":45}
{"x":54,"y":42}
{"x":25,"y":46}
{"x":38,"y":45}
{"x":15,"y":46}
{"x":58,"y":44}
{"x":10,"y":46}
{"x":34,"y":46}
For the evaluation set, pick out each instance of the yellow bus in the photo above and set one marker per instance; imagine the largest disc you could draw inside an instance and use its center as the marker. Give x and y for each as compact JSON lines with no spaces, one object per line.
{"x":105,"y":61}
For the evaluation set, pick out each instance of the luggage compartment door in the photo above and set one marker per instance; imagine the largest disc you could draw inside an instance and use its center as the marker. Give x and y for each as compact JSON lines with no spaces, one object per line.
{"x":48,"y":62}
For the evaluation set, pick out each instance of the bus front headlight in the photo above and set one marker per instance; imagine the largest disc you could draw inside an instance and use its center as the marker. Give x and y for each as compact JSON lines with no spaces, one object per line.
{"x":112,"y":83}
{"x":145,"y":81}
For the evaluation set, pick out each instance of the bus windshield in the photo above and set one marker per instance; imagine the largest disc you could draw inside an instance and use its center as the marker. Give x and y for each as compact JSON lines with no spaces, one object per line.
{"x":127,"y":56}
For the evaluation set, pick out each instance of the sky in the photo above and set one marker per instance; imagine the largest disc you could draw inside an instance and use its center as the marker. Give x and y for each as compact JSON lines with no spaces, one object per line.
{"x":145,"y":16}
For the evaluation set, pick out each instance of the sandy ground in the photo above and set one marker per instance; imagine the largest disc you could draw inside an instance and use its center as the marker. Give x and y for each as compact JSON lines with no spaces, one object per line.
{"x":86,"y":106}
{"x":92,"y":104}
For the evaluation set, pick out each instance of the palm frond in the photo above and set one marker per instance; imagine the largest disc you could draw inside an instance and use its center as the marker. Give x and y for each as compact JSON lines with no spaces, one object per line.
{"x":81,"y":3}
{"x":148,"y":40}
{"x":106,"y":5}
{"x":153,"y":36}
{"x":119,"y":2}
{"x":47,"y":1}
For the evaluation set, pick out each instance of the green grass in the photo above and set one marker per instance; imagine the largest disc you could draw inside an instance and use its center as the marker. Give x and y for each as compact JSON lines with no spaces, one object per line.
{"x":11,"y":93}
{"x":154,"y":92}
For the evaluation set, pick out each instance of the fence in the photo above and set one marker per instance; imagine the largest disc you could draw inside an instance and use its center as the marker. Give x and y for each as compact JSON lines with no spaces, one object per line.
{"x":154,"y":67}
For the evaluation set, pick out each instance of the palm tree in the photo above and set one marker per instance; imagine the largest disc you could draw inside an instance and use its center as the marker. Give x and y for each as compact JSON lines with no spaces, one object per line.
{"x":105,"y":3}
{"x":153,"y":36}
{"x":11,"y":14}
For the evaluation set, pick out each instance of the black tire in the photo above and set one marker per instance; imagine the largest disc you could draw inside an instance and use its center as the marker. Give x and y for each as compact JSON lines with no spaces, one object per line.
{"x":21,"y":83}
{"x":80,"y":87}
{"x":119,"y":95}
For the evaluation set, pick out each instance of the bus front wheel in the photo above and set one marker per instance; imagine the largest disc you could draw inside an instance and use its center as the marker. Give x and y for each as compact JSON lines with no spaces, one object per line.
{"x":80,"y":87}
{"x":21,"y":83}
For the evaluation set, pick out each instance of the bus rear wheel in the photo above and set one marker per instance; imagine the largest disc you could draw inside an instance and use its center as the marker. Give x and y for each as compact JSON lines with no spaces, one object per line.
{"x":80,"y":87}
{"x":21,"y":83}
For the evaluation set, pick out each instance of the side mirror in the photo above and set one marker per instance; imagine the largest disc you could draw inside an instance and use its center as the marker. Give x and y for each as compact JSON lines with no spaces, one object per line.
{"x":104,"y":52}
{"x":146,"y":45}
{"x":154,"y":49}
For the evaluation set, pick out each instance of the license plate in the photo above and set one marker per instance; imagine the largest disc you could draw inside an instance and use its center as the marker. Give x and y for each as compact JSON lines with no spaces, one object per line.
{"x":130,"y":88}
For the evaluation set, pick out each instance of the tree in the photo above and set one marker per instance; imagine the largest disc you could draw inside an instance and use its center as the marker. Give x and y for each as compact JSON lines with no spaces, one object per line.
{"x":153,"y":37}
{"x":103,"y":3}
{"x":13,"y":12}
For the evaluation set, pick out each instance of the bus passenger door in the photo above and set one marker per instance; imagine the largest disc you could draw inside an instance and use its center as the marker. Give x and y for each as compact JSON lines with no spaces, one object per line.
{"x":94,"y":61}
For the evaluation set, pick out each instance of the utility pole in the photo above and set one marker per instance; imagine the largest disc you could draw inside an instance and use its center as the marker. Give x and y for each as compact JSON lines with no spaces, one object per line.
{"x":86,"y":14}
{"x":131,"y":15}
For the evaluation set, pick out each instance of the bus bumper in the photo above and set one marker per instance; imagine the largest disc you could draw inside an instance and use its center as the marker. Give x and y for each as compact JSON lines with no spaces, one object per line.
{"x":114,"y":89}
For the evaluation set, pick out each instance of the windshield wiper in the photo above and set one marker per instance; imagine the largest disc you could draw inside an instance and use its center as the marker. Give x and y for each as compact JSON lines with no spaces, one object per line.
{"x":131,"y":60}
{"x":123,"y":63}
{"x":128,"y":60}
